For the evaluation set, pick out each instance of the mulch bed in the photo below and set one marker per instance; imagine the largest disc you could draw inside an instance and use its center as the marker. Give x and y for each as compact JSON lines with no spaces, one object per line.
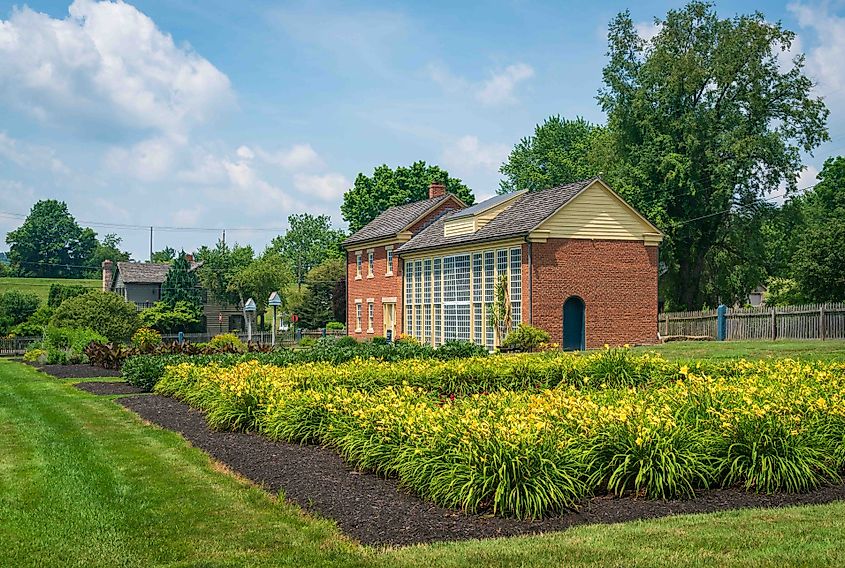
{"x":76,"y":371}
{"x":106,"y":388}
{"x":377,"y":511}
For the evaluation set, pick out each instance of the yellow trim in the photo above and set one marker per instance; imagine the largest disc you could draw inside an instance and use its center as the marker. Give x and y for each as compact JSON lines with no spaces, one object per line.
{"x":453,"y":249}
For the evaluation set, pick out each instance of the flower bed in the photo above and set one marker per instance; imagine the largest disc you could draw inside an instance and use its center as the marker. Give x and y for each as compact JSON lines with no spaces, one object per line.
{"x":530,"y":435}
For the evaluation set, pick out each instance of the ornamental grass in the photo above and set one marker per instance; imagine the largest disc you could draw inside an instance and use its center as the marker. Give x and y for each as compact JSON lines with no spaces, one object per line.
{"x":532,"y":435}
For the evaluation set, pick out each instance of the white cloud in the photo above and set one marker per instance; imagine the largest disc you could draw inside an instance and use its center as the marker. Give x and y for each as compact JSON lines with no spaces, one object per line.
{"x":826,"y":59}
{"x":30,"y":156}
{"x":328,"y":187}
{"x":297,"y":157}
{"x":647,"y":30}
{"x":149,"y":160}
{"x":468,"y":153}
{"x":106,"y":65}
{"x":245,"y":152}
{"x":497,"y":90}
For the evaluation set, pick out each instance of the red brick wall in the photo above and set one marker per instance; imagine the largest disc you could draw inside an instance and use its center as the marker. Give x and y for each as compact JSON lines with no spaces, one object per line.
{"x":616,"y":279}
{"x":377,"y":287}
{"x":425,"y":221}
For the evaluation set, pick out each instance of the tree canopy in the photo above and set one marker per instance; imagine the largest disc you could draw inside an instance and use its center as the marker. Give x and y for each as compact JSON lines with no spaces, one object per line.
{"x":706,"y":120}
{"x":560,"y":151}
{"x":220,"y":265}
{"x":50,"y":243}
{"x":181,"y":284}
{"x":308,"y":241}
{"x":325,"y":299}
{"x":371,"y":195}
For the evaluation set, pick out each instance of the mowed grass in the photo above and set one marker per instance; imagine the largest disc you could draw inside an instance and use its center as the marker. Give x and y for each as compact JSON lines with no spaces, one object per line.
{"x":85,"y":483}
{"x":830,"y":350}
{"x":41,"y":286}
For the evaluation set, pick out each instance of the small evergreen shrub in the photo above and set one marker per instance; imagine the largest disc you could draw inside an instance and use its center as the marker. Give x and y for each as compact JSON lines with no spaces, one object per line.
{"x":146,"y":339}
{"x":525,"y":338}
{"x":228,"y":343}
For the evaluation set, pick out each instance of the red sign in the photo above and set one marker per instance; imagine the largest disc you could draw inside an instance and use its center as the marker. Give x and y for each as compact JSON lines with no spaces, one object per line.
{"x":294,"y":318}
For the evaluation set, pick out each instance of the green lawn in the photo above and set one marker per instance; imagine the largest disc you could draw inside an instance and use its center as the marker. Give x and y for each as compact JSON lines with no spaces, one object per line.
{"x":41,"y":286}
{"x":807,"y":349}
{"x":84,"y":482}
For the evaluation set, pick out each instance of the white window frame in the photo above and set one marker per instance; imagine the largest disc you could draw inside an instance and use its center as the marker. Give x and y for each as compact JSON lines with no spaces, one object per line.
{"x":371,"y":262}
{"x":371,"y":310}
{"x":358,"y":316}
{"x":358,"y":264}
{"x":388,"y":253}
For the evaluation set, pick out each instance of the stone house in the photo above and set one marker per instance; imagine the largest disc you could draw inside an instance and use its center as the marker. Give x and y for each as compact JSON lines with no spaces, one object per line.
{"x":575,"y":260}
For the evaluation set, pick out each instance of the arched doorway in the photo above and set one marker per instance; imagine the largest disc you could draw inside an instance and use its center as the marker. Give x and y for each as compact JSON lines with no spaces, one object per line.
{"x":573,"y":324}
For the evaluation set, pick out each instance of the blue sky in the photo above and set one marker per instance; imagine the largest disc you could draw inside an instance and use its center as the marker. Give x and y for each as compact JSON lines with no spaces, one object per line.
{"x":235,"y":114}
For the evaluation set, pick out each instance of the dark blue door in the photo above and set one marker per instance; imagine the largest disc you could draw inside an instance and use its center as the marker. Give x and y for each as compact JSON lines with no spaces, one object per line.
{"x":573,"y":324}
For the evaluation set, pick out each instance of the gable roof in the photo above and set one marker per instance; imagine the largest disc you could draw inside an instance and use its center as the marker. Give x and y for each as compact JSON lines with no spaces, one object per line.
{"x":523,"y":215}
{"x":146,"y":272}
{"x":397,"y":219}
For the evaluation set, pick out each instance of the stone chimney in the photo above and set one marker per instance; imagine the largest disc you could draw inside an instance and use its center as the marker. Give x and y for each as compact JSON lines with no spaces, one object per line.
{"x":436,"y":189}
{"x":107,"y":275}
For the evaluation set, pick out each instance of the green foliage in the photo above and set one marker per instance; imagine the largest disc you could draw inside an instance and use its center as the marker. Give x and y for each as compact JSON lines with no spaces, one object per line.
{"x":68,"y":345}
{"x":61,"y":292}
{"x":335,"y":326}
{"x":783,"y":292}
{"x":144,"y":371}
{"x":34,"y":326}
{"x":220,"y":265}
{"x":560,"y":151}
{"x":259,"y":279}
{"x":50,"y":243}
{"x":819,"y":261}
{"x":103,"y":312}
{"x":181,"y":284}
{"x":36,"y":355}
{"x":166,"y":255}
{"x":346,"y":341}
{"x":227,"y":342}
{"x":308,"y":242}
{"x":145,"y":339}
{"x":182,"y":316}
{"x":371,"y":196}
{"x":525,"y":338}
{"x":15,"y":308}
{"x":705,"y":118}
{"x":107,"y":249}
{"x":325,"y":299}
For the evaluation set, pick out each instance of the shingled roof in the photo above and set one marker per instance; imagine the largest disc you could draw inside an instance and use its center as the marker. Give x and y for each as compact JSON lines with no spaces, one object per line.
{"x":146,"y":272}
{"x":520,"y":218}
{"x":395,"y":220}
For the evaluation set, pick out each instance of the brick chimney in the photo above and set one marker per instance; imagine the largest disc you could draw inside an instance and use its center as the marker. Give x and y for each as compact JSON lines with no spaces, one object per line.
{"x":436,"y":189}
{"x":107,"y":275}
{"x":189,"y":257}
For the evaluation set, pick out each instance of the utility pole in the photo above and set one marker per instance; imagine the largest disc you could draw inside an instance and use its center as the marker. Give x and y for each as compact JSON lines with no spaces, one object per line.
{"x":151,"y":244}
{"x":224,"y":238}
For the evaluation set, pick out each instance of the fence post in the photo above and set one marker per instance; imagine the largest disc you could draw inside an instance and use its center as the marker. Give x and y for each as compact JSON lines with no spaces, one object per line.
{"x":721,"y":322}
{"x":822,"y":330}
{"x":774,"y":324}
{"x":666,"y":324}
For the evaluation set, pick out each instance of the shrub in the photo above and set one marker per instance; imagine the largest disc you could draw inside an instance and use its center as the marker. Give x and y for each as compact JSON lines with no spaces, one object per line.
{"x":36,"y":355}
{"x":103,"y":312}
{"x":379,"y":340}
{"x":525,"y":338}
{"x":307,"y":342}
{"x":455,"y":349}
{"x":61,"y":292}
{"x":35,"y":325}
{"x":346,"y":341}
{"x":227,"y":343}
{"x":16,"y":307}
{"x":69,"y":345}
{"x":144,"y":371}
{"x":146,"y":339}
{"x":182,"y":316}
{"x":335,"y":326}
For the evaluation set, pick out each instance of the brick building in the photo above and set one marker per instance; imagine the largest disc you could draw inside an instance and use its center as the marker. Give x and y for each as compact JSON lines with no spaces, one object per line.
{"x":575,"y":260}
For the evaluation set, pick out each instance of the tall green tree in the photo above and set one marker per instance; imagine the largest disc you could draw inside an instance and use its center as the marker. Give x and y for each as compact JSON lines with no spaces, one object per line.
{"x":167,"y":254}
{"x":325,"y":299}
{"x":705,"y":119}
{"x":309,"y":240}
{"x":560,"y":151}
{"x":181,"y":284}
{"x":819,"y":260}
{"x":371,"y":195}
{"x":106,"y":249}
{"x":50,"y":243}
{"x":259,"y":279}
{"x":220,"y":264}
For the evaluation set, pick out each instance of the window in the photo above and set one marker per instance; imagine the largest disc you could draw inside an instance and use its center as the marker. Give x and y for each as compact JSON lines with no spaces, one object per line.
{"x":477,"y":296}
{"x":438,"y":297}
{"x":370,"y":312}
{"x":418,"y":296}
{"x":370,"y":260}
{"x":409,"y":297}
{"x":389,"y":254}
{"x":489,"y":288}
{"x":427,"y":281}
{"x":358,"y":316}
{"x":456,"y":296}
{"x":358,"y":265}
{"x":516,"y":286}
{"x":427,"y":324}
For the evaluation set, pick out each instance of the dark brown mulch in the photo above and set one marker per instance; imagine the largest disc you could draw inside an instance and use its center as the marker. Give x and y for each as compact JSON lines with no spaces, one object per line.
{"x":377,"y":511}
{"x":76,"y":371}
{"x":105,"y":388}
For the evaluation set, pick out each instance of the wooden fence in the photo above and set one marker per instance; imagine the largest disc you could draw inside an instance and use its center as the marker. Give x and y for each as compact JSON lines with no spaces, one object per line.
{"x":811,"y":321}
